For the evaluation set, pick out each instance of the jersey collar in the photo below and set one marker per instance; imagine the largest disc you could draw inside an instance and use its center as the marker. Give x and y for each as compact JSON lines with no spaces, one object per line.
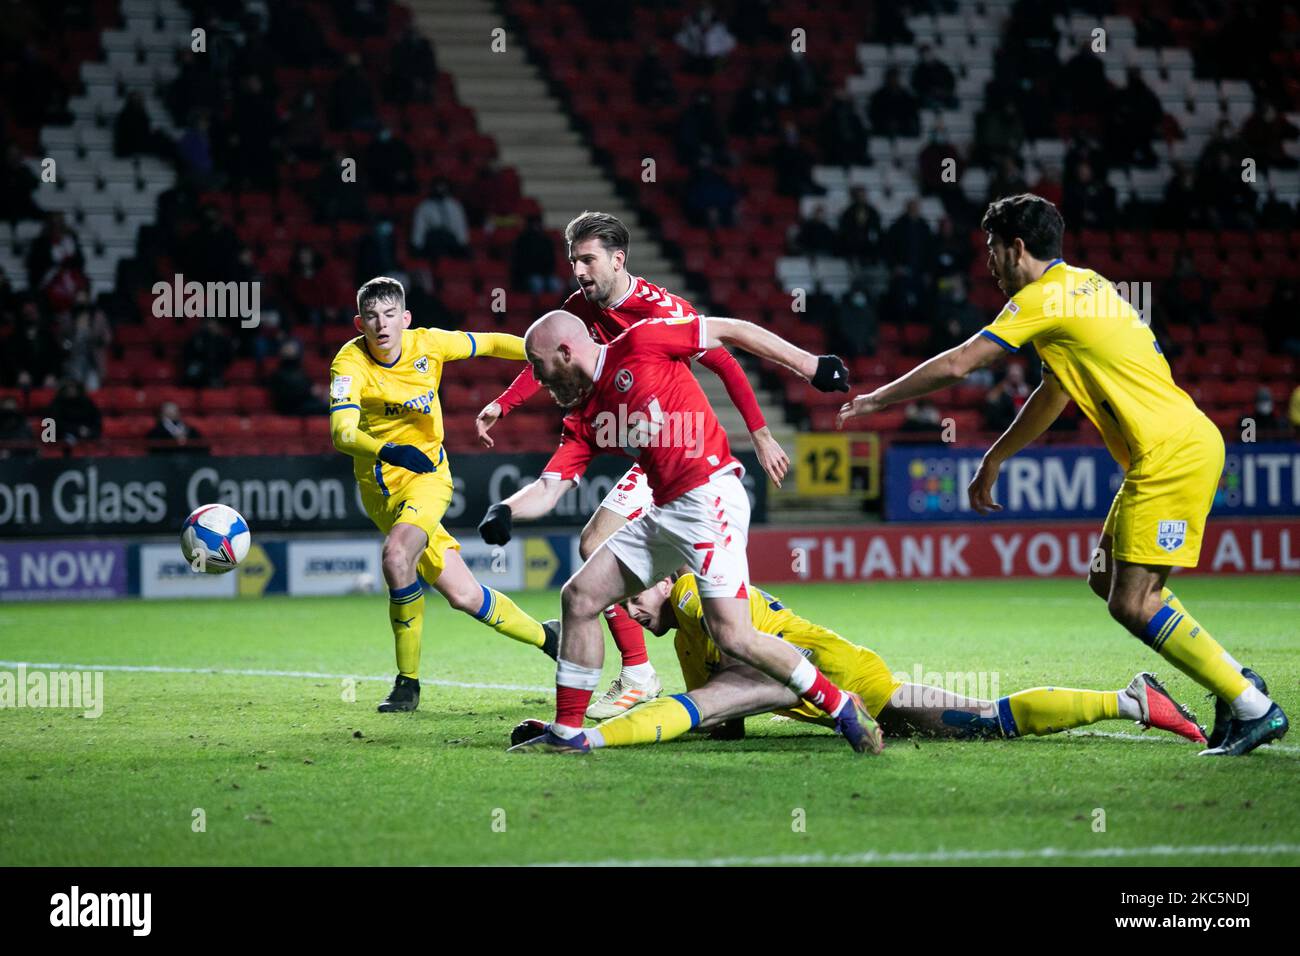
{"x":1058,"y":261}
{"x":600,"y":364}
{"x":626,"y":295}
{"x":366,"y":345}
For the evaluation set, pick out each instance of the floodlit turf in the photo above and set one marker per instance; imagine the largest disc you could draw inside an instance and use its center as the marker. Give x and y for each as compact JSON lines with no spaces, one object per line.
{"x":287,"y":772}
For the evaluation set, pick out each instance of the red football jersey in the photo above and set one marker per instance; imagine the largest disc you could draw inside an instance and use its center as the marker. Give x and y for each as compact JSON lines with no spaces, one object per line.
{"x":646,"y":404}
{"x":644,"y":300}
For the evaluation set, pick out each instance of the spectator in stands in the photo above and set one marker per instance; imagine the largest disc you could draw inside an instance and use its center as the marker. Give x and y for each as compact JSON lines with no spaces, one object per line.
{"x":1264,"y":135}
{"x":55,"y":264}
{"x":295,"y":34}
{"x":700,"y":131}
{"x":352,"y":104}
{"x":706,"y":40}
{"x":1275,"y":214}
{"x":196,"y":88}
{"x":412,"y":68}
{"x":793,"y":165}
{"x":606,"y":21}
{"x":85,"y":342}
{"x":857,"y":325}
{"x":999,"y":131}
{"x":1089,"y":202}
{"x":909,"y":242}
{"x":15,"y":432}
{"x":390,"y":165}
{"x":35,"y":352}
{"x":859,"y":228}
{"x":1046,"y":182}
{"x":76,"y":417}
{"x":1228,"y":202}
{"x":206,"y":356}
{"x":922,"y":417}
{"x":439,"y":227}
{"x":952,"y":252}
{"x":1083,"y":87}
{"x":532,"y":260}
{"x":1281,"y":331}
{"x":893,"y":110}
{"x":933,"y":82}
{"x":1004,"y":400}
{"x":1181,"y":207}
{"x":377,"y":252}
{"x":814,"y":236}
{"x":292,"y":391}
{"x":194,"y":151}
{"x":304,"y":130}
{"x":310,"y":291}
{"x":843,"y":134}
{"x":938,"y":164}
{"x":710,"y":198}
{"x":797,"y":84}
{"x":1270,"y":423}
{"x":754,"y":110}
{"x":171,"y":434}
{"x":134,"y":135}
{"x":955,"y":319}
{"x":1007,"y":180}
{"x":249,"y":144}
{"x":17,"y":184}
{"x":336,"y":199}
{"x":211,"y":251}
{"x":652,"y":85}
{"x":368,"y":18}
{"x":1133,"y":119}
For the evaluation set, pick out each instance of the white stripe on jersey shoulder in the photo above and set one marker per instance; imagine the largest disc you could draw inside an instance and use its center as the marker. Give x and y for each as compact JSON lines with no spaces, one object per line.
{"x":704,"y":333}
{"x":600,"y":363}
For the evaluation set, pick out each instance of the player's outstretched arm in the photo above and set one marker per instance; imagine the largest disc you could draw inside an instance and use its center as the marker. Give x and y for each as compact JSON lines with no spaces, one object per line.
{"x":771,"y":456}
{"x":1035,"y":417}
{"x":826,"y":372}
{"x":531,"y":501}
{"x":346,"y":433}
{"x":946,"y":368}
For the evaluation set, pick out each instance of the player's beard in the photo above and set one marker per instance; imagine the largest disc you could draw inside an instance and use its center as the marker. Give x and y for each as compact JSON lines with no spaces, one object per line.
{"x":568,"y":386}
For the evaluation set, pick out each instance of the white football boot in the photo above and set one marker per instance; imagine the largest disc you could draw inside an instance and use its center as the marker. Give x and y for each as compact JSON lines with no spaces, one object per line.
{"x":622,"y":696}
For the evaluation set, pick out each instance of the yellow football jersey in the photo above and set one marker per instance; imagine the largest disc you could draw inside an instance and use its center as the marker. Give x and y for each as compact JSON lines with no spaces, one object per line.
{"x":769,"y":615}
{"x":398,"y":402}
{"x":1103,"y":355}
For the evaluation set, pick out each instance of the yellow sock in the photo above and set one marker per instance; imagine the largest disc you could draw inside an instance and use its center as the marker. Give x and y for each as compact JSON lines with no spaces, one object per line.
{"x":1049,"y":710}
{"x":503,"y":616}
{"x":664,"y":719}
{"x":1174,"y":635}
{"x":1170,"y":599}
{"x":406,"y":615}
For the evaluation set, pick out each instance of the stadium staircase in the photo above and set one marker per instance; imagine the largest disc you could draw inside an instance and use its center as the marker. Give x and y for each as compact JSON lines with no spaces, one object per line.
{"x":534,"y":134}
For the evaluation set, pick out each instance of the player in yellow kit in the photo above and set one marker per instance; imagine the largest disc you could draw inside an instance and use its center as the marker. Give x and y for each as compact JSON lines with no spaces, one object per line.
{"x":384,"y":412}
{"x":721,"y":691}
{"x":1097,"y":351}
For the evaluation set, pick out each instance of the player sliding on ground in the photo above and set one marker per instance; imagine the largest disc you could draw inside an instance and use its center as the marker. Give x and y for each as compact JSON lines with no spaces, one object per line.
{"x":1097,"y":350}
{"x":721,"y":691}
{"x":384,"y":412}
{"x":637,"y":396}
{"x":609,"y":301}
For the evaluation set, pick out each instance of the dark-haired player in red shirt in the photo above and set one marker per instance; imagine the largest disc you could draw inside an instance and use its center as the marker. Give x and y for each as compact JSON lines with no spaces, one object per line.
{"x":637,"y":396}
{"x":609,"y":301}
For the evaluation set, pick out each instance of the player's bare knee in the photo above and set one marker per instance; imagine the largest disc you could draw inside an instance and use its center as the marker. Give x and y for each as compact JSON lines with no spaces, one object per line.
{"x":396,"y":562}
{"x":588,"y":541}
{"x":1099,"y":581}
{"x":577,"y":602}
{"x":1126,"y":609}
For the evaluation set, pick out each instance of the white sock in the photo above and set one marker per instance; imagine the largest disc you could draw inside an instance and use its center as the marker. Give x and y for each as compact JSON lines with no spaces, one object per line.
{"x":1236,"y":664}
{"x":638,"y":673}
{"x":1128,"y":707}
{"x":1250,"y":703}
{"x":595,"y":737}
{"x":565,"y":731}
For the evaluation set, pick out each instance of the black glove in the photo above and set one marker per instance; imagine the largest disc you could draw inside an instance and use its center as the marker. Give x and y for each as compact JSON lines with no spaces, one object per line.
{"x":406,"y":456}
{"x":832,"y":375}
{"x":495,"y":526}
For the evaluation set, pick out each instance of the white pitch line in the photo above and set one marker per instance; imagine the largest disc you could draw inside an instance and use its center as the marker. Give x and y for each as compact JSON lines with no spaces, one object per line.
{"x":231,"y":672}
{"x":869,"y":857}
{"x":1208,"y":602}
{"x":471,"y":685}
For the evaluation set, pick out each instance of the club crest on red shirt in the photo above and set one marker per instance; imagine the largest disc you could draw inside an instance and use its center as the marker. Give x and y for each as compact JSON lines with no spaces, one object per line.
{"x":623,"y":380}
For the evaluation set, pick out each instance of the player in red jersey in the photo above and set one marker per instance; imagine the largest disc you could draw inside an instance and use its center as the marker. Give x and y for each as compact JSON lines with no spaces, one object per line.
{"x":611,"y":299}
{"x":637,"y":396}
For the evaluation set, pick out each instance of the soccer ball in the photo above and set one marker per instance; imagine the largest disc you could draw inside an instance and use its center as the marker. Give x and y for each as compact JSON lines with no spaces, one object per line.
{"x":214,"y":539}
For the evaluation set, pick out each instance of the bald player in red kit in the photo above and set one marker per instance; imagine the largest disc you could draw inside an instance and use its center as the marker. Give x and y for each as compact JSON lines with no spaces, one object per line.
{"x":609,"y":301}
{"x":637,"y":396}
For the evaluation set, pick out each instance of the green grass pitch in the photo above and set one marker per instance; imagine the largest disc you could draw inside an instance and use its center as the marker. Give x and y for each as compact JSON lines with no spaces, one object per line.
{"x":286,"y":771}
